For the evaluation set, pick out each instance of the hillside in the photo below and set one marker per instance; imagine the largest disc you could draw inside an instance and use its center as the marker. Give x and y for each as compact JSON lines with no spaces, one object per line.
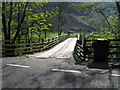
{"x":72,"y":17}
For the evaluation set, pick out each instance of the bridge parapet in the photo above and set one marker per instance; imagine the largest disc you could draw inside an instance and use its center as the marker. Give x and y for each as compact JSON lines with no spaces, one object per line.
{"x":85,"y":50}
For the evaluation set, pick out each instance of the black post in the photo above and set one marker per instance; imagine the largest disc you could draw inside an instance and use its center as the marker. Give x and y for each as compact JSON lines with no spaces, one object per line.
{"x":68,"y":34}
{"x":101,"y":50}
{"x":42,"y":40}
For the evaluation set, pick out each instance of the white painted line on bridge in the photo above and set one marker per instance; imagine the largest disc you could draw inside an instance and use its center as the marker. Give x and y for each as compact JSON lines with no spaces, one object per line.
{"x":116,"y":75}
{"x":62,"y":70}
{"x":15,"y":65}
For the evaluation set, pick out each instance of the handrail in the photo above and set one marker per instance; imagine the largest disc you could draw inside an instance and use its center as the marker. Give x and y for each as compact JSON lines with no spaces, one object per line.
{"x":85,"y":50}
{"x":26,"y":48}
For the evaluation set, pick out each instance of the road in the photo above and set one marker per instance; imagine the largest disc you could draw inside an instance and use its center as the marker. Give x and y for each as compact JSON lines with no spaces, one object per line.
{"x":63,"y":50}
{"x":52,"y":72}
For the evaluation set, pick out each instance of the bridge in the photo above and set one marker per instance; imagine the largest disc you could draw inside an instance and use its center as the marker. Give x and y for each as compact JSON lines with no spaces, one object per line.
{"x":55,"y":67}
{"x":63,"y":50}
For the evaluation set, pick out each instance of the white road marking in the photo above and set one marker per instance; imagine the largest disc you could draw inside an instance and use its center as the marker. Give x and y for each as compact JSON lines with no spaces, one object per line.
{"x":61,"y":70}
{"x":14,"y":65}
{"x":104,"y":71}
{"x":116,"y":75}
{"x":93,"y":69}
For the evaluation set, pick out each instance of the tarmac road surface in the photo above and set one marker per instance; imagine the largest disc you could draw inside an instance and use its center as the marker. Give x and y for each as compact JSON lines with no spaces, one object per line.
{"x":55,"y":73}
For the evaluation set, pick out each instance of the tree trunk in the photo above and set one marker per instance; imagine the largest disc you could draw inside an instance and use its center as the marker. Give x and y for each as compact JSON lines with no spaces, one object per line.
{"x":118,"y":8}
{"x":20,"y":23}
{"x":10,"y":19}
{"x":4,"y":28}
{"x":59,"y":20}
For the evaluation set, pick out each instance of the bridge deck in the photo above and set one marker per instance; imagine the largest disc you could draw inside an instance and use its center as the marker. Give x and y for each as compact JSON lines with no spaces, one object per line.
{"x":62,"y":50}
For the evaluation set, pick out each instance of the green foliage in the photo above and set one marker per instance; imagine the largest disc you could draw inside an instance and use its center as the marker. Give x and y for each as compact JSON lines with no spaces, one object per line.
{"x":105,"y":36}
{"x":39,"y":21}
{"x":101,"y":16}
{"x":84,"y":7}
{"x":36,"y":17}
{"x":116,"y":28}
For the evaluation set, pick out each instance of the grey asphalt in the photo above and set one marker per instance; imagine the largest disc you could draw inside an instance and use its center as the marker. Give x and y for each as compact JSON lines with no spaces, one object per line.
{"x":40,"y":74}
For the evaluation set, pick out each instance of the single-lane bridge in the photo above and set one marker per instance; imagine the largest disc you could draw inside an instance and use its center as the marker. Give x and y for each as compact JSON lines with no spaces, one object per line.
{"x":64,"y":50}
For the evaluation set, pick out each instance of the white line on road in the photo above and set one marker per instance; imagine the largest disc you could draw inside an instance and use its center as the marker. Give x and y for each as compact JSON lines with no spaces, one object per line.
{"x":61,"y":70}
{"x":116,"y":75}
{"x":14,"y":65}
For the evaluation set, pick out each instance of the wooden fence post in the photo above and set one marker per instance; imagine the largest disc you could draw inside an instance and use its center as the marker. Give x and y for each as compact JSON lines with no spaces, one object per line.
{"x":84,"y":47}
{"x":10,"y":52}
{"x":48,"y":40}
{"x":53,"y":39}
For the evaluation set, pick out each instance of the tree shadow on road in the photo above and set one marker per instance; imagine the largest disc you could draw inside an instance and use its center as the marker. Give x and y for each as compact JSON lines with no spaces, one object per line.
{"x":99,"y":65}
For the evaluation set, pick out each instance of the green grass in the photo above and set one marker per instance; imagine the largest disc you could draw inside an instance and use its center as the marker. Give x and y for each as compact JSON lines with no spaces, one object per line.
{"x":103,"y":36}
{"x":35,"y":36}
{"x":51,"y":35}
{"x":48,"y":35}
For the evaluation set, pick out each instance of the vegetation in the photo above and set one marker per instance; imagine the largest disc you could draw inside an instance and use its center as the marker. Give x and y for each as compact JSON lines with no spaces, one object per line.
{"x":36,"y":20}
{"x":104,"y":19}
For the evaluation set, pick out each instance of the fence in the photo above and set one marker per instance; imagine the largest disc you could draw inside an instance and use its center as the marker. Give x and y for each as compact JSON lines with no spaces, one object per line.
{"x":27,"y":48}
{"x":84,"y":49}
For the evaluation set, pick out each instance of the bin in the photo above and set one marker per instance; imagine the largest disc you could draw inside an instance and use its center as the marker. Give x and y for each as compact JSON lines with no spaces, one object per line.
{"x":101,"y":50}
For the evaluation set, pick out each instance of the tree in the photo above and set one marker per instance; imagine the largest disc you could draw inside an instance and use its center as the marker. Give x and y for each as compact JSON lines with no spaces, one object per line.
{"x":6,"y":29}
{"x":15,"y":14}
{"x":99,"y":10}
{"x":63,"y":15}
{"x":118,"y":8}
{"x":7,"y":19}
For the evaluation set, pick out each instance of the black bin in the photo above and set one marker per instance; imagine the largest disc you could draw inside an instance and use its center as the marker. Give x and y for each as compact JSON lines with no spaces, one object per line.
{"x":101,"y":50}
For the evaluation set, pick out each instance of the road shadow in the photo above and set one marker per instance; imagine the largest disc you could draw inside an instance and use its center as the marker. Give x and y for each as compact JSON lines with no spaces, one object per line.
{"x":115,"y":64}
{"x":99,"y":65}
